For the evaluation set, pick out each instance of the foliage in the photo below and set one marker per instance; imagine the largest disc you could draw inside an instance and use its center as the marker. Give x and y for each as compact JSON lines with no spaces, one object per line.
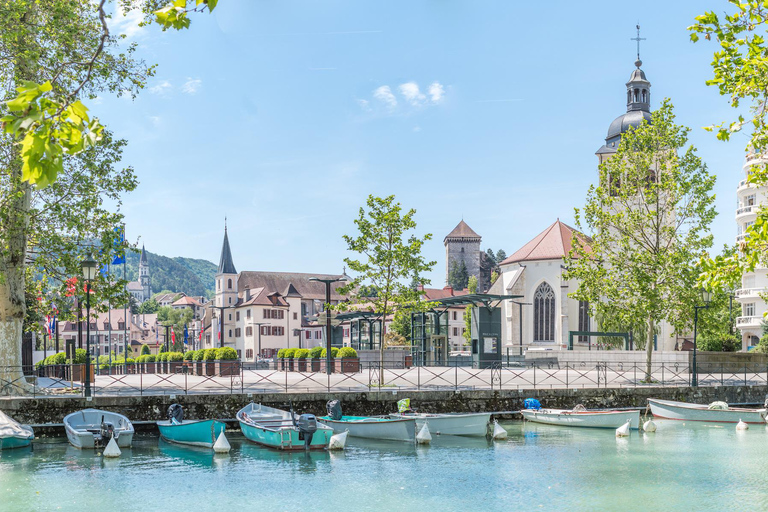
{"x":189,"y":355}
{"x":226,"y":353}
{"x":149,"y":306}
{"x":468,"y":324}
{"x":650,"y":216}
{"x":491,"y":256}
{"x":145,"y":349}
{"x":301,"y":353}
{"x":162,"y":357}
{"x":315,"y":352}
{"x":762,"y":345}
{"x":472,"y":284}
{"x":176,"y":319}
{"x":58,"y":358}
{"x":289,"y":353}
{"x":334,"y":353}
{"x":174,"y":357}
{"x":346,"y":352}
{"x":494,"y":276}
{"x":210,"y":354}
{"x":188,"y":275}
{"x":457,"y":275}
{"x":80,"y":356}
{"x":368,"y":291}
{"x":200,"y":354}
{"x":281,"y":353}
{"x":401,"y":325}
{"x":500,"y":256}
{"x":718,"y":342}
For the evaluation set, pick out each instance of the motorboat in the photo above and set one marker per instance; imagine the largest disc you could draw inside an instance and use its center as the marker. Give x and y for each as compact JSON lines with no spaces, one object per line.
{"x":13,"y":434}
{"x":282,"y":430}
{"x":718,"y":412}
{"x":581,"y":417}
{"x":453,"y":424}
{"x":369,"y":427}
{"x":190,"y":432}
{"x":93,"y":428}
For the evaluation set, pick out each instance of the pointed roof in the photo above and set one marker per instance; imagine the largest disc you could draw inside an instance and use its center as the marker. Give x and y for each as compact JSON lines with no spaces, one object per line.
{"x":462,"y":231}
{"x":143,"y":258}
{"x":291,"y":291}
{"x":553,"y":243}
{"x":226,"y":265}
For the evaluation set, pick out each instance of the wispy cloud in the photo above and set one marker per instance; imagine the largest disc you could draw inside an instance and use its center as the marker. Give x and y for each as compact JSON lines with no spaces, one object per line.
{"x":162,"y":88}
{"x":191,"y":86}
{"x":414,"y":98}
{"x":436,"y":92}
{"x":365,"y":105}
{"x":384,"y":95}
{"x":126,"y":23}
{"x":411,"y":93}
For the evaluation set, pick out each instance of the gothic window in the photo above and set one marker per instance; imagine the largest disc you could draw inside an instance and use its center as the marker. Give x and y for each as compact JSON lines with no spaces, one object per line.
{"x":544,"y":313}
{"x":583,"y":318}
{"x":229,"y":284}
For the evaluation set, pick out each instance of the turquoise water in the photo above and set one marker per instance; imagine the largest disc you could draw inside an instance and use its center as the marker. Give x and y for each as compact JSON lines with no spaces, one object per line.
{"x":540,"y":467}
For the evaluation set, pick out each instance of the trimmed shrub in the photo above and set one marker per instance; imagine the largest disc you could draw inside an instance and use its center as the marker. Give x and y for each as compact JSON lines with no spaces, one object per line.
{"x":281,"y":353}
{"x":149,"y":358}
{"x":130,"y":360}
{"x":199,"y":354}
{"x":289,"y":352}
{"x":210,"y":354}
{"x":189,"y":355}
{"x":226,"y":353}
{"x":145,"y":350}
{"x":301,"y":353}
{"x":315,"y":352}
{"x":174,"y":356}
{"x":334,"y":352}
{"x":346,"y":352}
{"x":80,"y":356}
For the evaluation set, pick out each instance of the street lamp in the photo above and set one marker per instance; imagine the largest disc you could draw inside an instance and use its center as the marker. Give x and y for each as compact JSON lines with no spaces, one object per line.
{"x":328,"y":281}
{"x":89,"y":268}
{"x":705,"y":298}
{"x":520,"y":304}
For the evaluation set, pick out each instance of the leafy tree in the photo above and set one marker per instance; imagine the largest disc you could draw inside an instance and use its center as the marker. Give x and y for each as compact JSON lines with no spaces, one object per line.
{"x":472,"y":284}
{"x":494,"y":276}
{"x":390,"y":255}
{"x":176,"y":319}
{"x":149,"y":306}
{"x":649,"y":217}
{"x":368,"y":291}
{"x":468,"y":325}
{"x":145,"y":350}
{"x":457,"y":275}
{"x":401,"y":326}
{"x":500,"y":256}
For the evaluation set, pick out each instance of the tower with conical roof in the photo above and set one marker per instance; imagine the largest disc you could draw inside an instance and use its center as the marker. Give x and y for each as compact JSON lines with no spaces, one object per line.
{"x":226,"y":275}
{"x":462,"y":246}
{"x":146,"y":288}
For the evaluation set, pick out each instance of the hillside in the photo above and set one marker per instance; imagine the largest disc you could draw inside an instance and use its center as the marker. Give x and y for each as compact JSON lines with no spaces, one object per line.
{"x":188,"y":275}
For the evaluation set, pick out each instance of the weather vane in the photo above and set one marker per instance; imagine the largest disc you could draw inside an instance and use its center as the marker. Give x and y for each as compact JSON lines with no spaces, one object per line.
{"x":638,"y":39}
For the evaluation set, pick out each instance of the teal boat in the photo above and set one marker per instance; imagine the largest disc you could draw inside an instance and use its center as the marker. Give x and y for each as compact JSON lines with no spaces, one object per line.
{"x":282,"y":430}
{"x":13,"y":434}
{"x":192,"y":432}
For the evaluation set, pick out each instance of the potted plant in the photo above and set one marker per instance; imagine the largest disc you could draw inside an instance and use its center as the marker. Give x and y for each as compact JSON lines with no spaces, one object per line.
{"x":189,"y":360}
{"x":149,"y":363}
{"x":323,"y":354}
{"x":199,"y":355}
{"x":316,"y":361}
{"x":347,"y":360}
{"x":289,"y":353}
{"x":300,"y":358}
{"x":78,"y":366}
{"x":281,"y":359}
{"x":227,"y":362}
{"x":130,"y":365}
{"x":175,"y":360}
{"x":209,"y":362}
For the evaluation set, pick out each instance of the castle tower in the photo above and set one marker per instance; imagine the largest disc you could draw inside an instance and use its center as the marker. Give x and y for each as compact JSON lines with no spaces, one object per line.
{"x":226,"y":276}
{"x":462,"y":245}
{"x":144,"y":275}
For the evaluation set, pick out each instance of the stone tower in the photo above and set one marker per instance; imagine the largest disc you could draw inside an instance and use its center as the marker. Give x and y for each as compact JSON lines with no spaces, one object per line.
{"x":463,"y":245}
{"x":226,"y":276}
{"x":144,"y":275}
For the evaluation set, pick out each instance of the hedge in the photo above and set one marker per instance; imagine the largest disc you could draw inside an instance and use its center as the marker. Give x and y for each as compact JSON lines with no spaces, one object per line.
{"x":145,"y":350}
{"x":199,"y":354}
{"x":334,"y":352}
{"x":347,"y":352}
{"x":174,"y":356}
{"x":315,"y":352}
{"x":289,"y":352}
{"x":80,"y":356}
{"x":210,"y":354}
{"x":226,"y":354}
{"x":301,"y":353}
{"x":281,"y":353}
{"x":189,"y":355}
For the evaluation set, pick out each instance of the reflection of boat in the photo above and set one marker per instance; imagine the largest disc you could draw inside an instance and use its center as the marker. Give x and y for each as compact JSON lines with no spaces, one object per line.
{"x":369,"y":427}
{"x":458,"y":424}
{"x":668,"y":409}
{"x":91,"y":428}
{"x":13,"y":434}
{"x":280,"y":429}
{"x":583,"y":418}
{"x":186,"y":455}
{"x":192,"y":432}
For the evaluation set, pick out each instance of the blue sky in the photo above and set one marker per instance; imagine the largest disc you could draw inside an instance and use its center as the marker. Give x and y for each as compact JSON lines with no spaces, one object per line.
{"x":284,"y":116}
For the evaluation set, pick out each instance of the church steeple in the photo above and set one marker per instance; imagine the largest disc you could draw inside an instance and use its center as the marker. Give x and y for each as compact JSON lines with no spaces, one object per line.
{"x":638,"y":90}
{"x":226,"y":265}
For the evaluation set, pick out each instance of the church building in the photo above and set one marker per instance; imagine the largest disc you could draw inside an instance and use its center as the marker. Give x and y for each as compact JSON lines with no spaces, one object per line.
{"x":141,"y":290}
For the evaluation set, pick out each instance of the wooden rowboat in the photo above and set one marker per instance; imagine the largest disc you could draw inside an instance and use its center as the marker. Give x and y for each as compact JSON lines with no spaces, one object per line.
{"x":667,"y":409}
{"x":593,"y":419}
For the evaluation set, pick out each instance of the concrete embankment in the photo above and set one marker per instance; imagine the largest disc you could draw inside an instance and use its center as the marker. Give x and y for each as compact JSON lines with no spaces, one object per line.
{"x":51,"y":410}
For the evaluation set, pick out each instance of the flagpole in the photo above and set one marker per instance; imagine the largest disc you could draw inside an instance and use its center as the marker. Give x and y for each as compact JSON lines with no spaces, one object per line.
{"x":125,"y":307}
{"x":109,"y":319}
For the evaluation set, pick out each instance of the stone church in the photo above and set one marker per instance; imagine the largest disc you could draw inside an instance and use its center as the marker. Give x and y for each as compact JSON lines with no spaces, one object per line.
{"x":462,"y":246}
{"x":141,"y":290}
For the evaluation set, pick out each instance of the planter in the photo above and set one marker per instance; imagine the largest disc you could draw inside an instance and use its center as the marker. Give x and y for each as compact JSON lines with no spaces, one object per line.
{"x":174,"y":366}
{"x":149,"y":367}
{"x":291,"y":364}
{"x":408,"y":361}
{"x":324,"y":365}
{"x":210,"y":368}
{"x":301,"y":365}
{"x":228,"y":368}
{"x":197,"y":368}
{"x":347,"y":365}
{"x":315,"y":365}
{"x":281,"y":364}
{"x":78,"y":372}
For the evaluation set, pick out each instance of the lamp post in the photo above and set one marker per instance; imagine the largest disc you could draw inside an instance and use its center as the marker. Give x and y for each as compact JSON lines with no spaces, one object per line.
{"x":89,"y":268}
{"x":328,"y":281}
{"x":731,"y":295}
{"x":258,"y":326}
{"x":705,"y":297}
{"x":520,"y":304}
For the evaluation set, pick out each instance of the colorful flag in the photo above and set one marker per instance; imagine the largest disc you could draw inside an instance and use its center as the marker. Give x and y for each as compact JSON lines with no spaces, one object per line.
{"x":119,"y":246}
{"x":186,"y":334}
{"x":173,"y":336}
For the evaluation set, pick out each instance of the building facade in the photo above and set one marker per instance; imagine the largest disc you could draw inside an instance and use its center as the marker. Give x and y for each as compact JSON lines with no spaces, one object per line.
{"x":141,"y":290}
{"x":462,"y":247}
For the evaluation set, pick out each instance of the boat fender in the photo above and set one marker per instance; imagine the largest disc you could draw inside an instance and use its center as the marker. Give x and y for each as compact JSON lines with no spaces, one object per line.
{"x":499,"y":432}
{"x":424,"y":437}
{"x":741,"y":425}
{"x":649,"y":426}
{"x":221,"y":445}
{"x":112,"y":450}
{"x":338,"y":441}
{"x":623,"y":431}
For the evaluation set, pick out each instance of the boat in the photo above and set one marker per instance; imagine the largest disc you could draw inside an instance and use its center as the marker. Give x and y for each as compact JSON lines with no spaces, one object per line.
{"x":190,"y":432}
{"x":369,"y":427}
{"x":450,"y":424}
{"x":580,"y":417}
{"x":13,"y":434}
{"x":718,"y":412}
{"x":93,"y":428}
{"x":282,"y":430}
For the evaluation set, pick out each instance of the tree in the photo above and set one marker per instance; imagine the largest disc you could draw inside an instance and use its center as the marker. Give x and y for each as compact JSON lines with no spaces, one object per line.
{"x":468,"y":324}
{"x":401,"y":326}
{"x":149,"y":306}
{"x":176,"y":319}
{"x":649,"y":217}
{"x":491,"y":256}
{"x":500,"y":256}
{"x":472,"y":284}
{"x":457,"y":275}
{"x":145,"y":350}
{"x":389,"y":256}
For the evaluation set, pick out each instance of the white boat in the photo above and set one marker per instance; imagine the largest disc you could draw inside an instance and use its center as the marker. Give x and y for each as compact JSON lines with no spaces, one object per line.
{"x":371,"y":427}
{"x":583,"y":418}
{"x":13,"y":434}
{"x":92,"y":428}
{"x":667,"y":409}
{"x":458,"y":424}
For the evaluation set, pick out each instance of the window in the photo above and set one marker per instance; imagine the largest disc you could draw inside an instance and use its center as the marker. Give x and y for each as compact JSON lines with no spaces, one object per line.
{"x":265,"y":330}
{"x":249,"y":353}
{"x":278,"y":314}
{"x":249,"y":331}
{"x":346,"y":332}
{"x":307,"y":334}
{"x":230,"y":333}
{"x":237,"y":332}
{"x":229,"y":284}
{"x":230,"y":301}
{"x":750,"y":200}
{"x":318,"y":334}
{"x":247,"y":313}
{"x":749,"y":309}
{"x":237,"y":316}
{"x":278,"y":331}
{"x":454,"y":315}
{"x":583,"y":318}
{"x":455,"y":330}
{"x":230,"y":316}
{"x":544,"y":313}
{"x":295,"y":316}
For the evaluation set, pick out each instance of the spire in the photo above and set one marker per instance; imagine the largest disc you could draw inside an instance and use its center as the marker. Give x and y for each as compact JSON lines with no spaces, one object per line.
{"x":638,"y":62}
{"x":226,"y":266}
{"x":638,"y":87}
{"x":143,"y":259}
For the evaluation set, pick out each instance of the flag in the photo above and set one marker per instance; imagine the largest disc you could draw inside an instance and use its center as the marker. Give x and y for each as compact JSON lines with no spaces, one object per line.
{"x":173,"y":335}
{"x":48,"y":324}
{"x":119,"y":246}
{"x":186,"y":334}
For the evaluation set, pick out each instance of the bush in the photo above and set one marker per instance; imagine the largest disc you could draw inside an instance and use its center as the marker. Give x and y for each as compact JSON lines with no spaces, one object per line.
{"x":174,"y":357}
{"x":60,"y":358}
{"x":315,"y":352}
{"x":289,"y":353}
{"x":145,"y":350}
{"x":334,"y":353}
{"x":210,"y":354}
{"x":149,"y":358}
{"x":301,"y":353}
{"x":281,"y":353}
{"x":199,"y":354}
{"x":189,"y":355}
{"x":226,"y":354}
{"x":347,"y":352}
{"x":80,"y":356}
{"x":130,"y":360}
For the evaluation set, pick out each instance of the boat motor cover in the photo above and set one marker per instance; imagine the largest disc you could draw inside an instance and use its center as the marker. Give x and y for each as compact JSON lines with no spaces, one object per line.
{"x":107,"y":430}
{"x":176,"y":412}
{"x":11,"y":428}
{"x":334,"y":409}
{"x":531,"y":403}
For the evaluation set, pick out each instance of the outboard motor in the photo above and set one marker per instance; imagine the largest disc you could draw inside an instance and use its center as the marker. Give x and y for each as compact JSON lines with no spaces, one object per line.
{"x":334,"y":409}
{"x":175,"y":413}
{"x":107,"y":431}
{"x":307,"y":426}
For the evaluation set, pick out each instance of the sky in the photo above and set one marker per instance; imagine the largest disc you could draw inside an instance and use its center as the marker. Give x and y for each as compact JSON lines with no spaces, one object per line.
{"x":284,"y":116}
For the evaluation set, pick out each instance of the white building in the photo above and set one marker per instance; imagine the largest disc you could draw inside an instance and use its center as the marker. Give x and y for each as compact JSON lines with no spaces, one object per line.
{"x":753,"y":284}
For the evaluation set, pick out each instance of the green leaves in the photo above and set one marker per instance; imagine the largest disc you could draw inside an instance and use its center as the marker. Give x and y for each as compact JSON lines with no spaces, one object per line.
{"x":175,"y":14}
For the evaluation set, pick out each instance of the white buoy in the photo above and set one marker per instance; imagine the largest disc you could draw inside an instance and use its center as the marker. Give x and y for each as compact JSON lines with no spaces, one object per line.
{"x":498,"y":431}
{"x":424,"y":437}
{"x":649,"y":426}
{"x":112,"y":450}
{"x":741,"y":425}
{"x":221,"y":445}
{"x":623,"y":431}
{"x":338,"y":441}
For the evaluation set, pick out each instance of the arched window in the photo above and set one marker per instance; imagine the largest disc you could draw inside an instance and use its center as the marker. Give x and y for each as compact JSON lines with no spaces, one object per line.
{"x":544,"y":313}
{"x":229,"y":284}
{"x":644,"y":101}
{"x":636,"y":94}
{"x":583,"y":319}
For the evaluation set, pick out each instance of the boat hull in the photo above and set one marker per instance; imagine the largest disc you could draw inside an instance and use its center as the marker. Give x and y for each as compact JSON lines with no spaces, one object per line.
{"x":10,"y":442}
{"x":83,"y":427}
{"x":472,"y":424}
{"x":388,"y":429}
{"x":682,"y":411}
{"x":588,"y":419}
{"x":274,"y":428}
{"x":192,"y":432}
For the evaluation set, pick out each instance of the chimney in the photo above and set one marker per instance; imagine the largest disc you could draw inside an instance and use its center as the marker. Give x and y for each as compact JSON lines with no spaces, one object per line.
{"x":247,"y":294}
{"x":449,"y":289}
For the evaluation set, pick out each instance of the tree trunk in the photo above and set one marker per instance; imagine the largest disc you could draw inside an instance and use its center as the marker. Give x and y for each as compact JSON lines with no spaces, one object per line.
{"x":649,"y":349}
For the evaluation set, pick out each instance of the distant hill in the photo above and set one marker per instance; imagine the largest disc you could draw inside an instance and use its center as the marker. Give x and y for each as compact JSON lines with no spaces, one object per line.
{"x":188,"y":275}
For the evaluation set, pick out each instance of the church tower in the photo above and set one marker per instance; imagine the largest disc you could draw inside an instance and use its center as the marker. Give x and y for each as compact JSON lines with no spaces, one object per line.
{"x":146,"y":288}
{"x":226,"y":276}
{"x":462,"y":246}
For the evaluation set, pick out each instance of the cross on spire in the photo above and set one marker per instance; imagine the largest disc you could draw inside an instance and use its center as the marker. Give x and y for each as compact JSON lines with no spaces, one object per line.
{"x":638,"y":39}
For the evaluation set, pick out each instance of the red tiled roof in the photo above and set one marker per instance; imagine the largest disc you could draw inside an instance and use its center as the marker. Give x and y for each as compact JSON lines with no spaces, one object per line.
{"x":442,"y":293}
{"x":186,"y":301}
{"x":462,"y":231}
{"x":553,"y":243}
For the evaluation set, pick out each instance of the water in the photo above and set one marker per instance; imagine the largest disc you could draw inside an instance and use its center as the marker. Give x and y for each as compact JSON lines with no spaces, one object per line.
{"x":540,"y":467}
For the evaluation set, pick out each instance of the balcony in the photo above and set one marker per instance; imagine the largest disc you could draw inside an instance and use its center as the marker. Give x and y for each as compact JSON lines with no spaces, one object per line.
{"x":746,"y":322}
{"x":746,"y":211}
{"x":744,"y":293}
{"x":741,"y":237}
{"x":743,"y":185}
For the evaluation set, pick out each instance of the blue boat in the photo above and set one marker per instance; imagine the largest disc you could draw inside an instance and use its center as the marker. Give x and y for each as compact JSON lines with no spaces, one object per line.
{"x":192,"y":432}
{"x":282,"y":430}
{"x":13,"y":434}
